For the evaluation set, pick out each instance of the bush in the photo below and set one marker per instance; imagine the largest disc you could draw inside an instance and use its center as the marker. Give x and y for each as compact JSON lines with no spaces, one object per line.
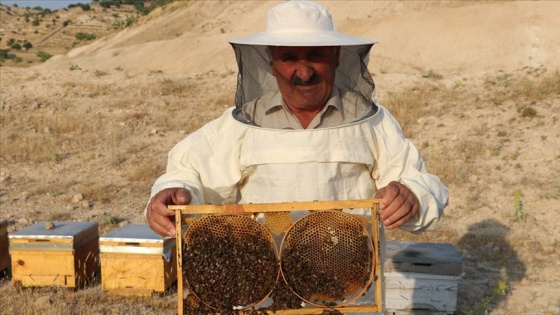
{"x":43,"y":56}
{"x":528,"y":112}
{"x":85,"y":36}
{"x":4,"y":54}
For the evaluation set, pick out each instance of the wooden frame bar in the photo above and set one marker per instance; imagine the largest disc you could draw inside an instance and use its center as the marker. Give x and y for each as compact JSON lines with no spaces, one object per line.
{"x":183,"y":212}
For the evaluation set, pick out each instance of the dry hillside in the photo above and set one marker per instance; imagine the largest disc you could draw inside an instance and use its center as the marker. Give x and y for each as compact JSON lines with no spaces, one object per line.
{"x":57,"y":31}
{"x":475,"y":85}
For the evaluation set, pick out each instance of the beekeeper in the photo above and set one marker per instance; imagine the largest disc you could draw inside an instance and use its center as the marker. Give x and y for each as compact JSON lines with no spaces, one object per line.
{"x":305,"y":127}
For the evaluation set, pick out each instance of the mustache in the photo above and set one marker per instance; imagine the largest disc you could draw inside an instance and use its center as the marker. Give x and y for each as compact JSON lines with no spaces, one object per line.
{"x":314,"y":79}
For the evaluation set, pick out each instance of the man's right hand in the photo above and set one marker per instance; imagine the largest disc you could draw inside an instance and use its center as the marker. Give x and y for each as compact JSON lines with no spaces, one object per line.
{"x":160,"y":218}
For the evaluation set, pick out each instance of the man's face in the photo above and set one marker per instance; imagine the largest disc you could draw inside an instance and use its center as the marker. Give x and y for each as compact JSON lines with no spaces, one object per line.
{"x":305,"y":75}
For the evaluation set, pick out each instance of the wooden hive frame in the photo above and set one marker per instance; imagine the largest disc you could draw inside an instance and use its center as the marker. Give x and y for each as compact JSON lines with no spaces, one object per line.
{"x":183,"y":213}
{"x":4,"y":245}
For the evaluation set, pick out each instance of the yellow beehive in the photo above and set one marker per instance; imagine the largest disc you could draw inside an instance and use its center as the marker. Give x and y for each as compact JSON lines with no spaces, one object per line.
{"x":64,"y":254}
{"x":4,"y":254}
{"x":136,"y":261}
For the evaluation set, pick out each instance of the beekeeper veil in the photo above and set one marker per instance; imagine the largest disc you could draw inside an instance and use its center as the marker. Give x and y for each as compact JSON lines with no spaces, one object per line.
{"x":299,"y":23}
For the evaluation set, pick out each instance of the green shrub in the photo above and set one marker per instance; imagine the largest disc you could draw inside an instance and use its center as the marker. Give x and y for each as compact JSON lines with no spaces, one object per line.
{"x":43,"y":56}
{"x":528,"y":112}
{"x":85,"y":36}
{"x":4,"y":54}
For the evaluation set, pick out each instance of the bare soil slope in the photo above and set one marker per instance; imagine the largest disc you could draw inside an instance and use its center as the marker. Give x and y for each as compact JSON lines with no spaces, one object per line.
{"x":474,"y":84}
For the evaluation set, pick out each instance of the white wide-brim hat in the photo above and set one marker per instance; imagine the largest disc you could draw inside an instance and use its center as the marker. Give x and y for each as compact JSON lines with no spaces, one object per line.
{"x":300,"y":23}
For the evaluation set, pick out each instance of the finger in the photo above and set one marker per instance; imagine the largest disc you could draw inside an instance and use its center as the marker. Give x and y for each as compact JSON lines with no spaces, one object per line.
{"x":163,"y":225}
{"x":393,"y":212}
{"x":403,"y":214}
{"x":158,"y":228}
{"x":388,"y":194}
{"x":181,"y":197}
{"x":165,"y":218}
{"x":400,"y":221}
{"x":160,"y":218}
{"x":154,"y":224}
{"x":391,"y":201}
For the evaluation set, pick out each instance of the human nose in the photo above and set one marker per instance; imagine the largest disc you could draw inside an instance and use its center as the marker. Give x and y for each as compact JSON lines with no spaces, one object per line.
{"x":304,"y":71}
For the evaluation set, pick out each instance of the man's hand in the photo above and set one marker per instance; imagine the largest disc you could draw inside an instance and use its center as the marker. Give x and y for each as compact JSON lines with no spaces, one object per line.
{"x":160,"y":218}
{"x":398,"y":205}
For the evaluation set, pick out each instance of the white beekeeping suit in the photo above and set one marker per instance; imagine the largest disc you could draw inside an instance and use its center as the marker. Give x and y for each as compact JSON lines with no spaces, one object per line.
{"x":234,"y":159}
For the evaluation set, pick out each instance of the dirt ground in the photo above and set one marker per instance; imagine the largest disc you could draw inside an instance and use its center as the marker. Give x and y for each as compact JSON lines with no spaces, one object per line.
{"x":84,"y":135}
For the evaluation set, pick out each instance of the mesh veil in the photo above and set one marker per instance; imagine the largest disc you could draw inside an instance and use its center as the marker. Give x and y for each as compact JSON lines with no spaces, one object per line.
{"x":255,"y":79}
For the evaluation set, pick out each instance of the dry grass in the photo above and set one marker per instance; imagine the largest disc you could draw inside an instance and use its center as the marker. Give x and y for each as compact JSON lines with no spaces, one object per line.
{"x":125,"y":139}
{"x":86,"y":301}
{"x":436,"y":100}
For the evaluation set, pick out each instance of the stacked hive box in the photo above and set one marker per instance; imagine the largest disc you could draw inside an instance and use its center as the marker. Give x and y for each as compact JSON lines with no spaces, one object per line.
{"x":64,"y":254}
{"x":421,"y":278}
{"x":4,"y":253}
{"x":137,"y":261}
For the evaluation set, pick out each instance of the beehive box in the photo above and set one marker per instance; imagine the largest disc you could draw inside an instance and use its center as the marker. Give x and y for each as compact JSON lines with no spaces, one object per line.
{"x":136,"y":261}
{"x":421,"y":278}
{"x":213,"y":238}
{"x":66,"y":255}
{"x":4,"y":243}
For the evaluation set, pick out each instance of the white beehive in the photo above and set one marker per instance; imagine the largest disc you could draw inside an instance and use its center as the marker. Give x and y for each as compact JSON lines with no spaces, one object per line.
{"x":421,"y":278}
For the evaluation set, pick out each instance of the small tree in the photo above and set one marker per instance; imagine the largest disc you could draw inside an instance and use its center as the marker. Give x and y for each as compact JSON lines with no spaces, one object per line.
{"x":27,"y":45}
{"x":84,"y":36}
{"x":16,"y":46}
{"x":85,"y":7}
{"x":4,"y":54}
{"x":43,"y":56}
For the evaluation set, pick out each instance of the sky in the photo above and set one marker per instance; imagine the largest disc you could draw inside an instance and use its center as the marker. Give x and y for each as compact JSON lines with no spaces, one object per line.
{"x":45,"y":4}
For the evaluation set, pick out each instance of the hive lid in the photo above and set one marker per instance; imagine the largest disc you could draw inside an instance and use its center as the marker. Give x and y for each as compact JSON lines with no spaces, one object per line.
{"x":133,"y":233}
{"x":135,"y":239}
{"x":432,"y":258}
{"x":64,"y":236}
{"x":61,"y":230}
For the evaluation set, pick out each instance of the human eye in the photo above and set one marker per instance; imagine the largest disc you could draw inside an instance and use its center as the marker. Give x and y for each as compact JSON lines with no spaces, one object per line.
{"x":316,"y":55}
{"x":288,"y":58}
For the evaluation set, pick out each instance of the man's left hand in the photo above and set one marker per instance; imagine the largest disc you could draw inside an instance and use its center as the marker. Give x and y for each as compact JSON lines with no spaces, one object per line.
{"x":398,"y":205}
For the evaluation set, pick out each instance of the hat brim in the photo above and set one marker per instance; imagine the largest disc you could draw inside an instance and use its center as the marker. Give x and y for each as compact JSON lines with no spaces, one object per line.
{"x":295,"y":38}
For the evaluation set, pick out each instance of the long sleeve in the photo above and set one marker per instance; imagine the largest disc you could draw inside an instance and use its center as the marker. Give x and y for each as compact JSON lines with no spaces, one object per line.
{"x":399,"y":160}
{"x":206,"y":163}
